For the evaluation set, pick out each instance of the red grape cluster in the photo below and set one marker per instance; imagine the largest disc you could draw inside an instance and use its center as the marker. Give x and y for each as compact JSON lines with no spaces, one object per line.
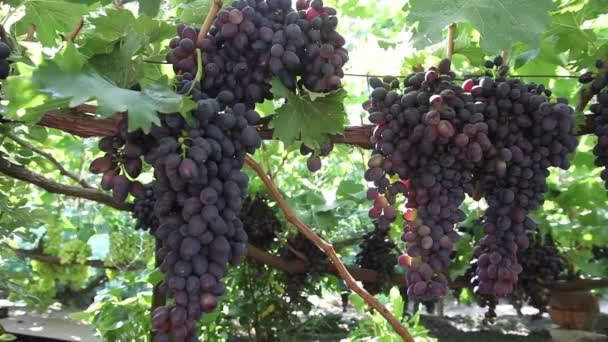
{"x":252,"y":41}
{"x":199,"y":193}
{"x":542,"y":265}
{"x":429,"y":140}
{"x":529,"y":134}
{"x":122,"y":162}
{"x":438,"y":141}
{"x":260,"y":221}
{"x":378,"y":253}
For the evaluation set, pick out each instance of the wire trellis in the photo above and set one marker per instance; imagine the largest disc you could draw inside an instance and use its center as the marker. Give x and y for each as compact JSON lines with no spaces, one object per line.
{"x":463,"y":77}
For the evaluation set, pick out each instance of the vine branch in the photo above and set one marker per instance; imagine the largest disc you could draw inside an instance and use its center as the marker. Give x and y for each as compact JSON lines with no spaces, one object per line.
{"x":23,"y":174}
{"x":54,"y":260}
{"x":298,"y":266}
{"x":50,"y":158}
{"x":80,"y":122}
{"x":329,"y":251}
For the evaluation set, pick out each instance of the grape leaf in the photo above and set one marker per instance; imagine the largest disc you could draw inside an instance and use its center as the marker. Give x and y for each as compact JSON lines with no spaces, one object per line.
{"x":149,"y":7}
{"x":499,"y":22}
{"x":307,"y":119}
{"x":51,"y":17}
{"x":120,"y":66}
{"x":106,"y":29}
{"x":84,"y":84}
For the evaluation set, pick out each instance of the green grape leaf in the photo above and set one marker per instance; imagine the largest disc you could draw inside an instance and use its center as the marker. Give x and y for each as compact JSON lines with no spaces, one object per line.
{"x":499,"y":22}
{"x":105,"y":30}
{"x":149,"y":7}
{"x":52,"y":17}
{"x":120,"y":66}
{"x":85,"y":84}
{"x":309,"y":120}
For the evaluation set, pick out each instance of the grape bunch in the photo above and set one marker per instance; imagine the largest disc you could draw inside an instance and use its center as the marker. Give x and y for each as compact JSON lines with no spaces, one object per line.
{"x":438,"y":141}
{"x":252,"y":41}
{"x":313,"y":163}
{"x":599,"y":88}
{"x":199,"y":192}
{"x":496,"y":63}
{"x":74,"y":252}
{"x":542,"y":265}
{"x":528,"y":133}
{"x":5,"y":67}
{"x":143,"y":209}
{"x":123,"y":249}
{"x":122,"y":162}
{"x":260,"y":221}
{"x":599,"y":252}
{"x":323,"y":55}
{"x":377,"y":252}
{"x":429,"y":140}
{"x":317,"y":263}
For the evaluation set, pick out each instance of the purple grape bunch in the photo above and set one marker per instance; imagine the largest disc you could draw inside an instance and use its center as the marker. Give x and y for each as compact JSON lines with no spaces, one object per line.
{"x":437,"y":141}
{"x":252,"y":41}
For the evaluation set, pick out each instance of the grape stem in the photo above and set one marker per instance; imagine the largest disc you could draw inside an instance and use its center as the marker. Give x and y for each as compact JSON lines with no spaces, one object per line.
{"x":504,"y":56}
{"x":31,"y":29}
{"x":451,"y":37}
{"x":274,"y":174}
{"x":49,"y":157}
{"x":75,"y":30}
{"x":217,"y":5}
{"x":329,"y":251}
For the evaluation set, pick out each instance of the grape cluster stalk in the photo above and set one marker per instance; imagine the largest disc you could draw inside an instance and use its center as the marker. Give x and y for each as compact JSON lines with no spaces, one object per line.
{"x":435,"y":141}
